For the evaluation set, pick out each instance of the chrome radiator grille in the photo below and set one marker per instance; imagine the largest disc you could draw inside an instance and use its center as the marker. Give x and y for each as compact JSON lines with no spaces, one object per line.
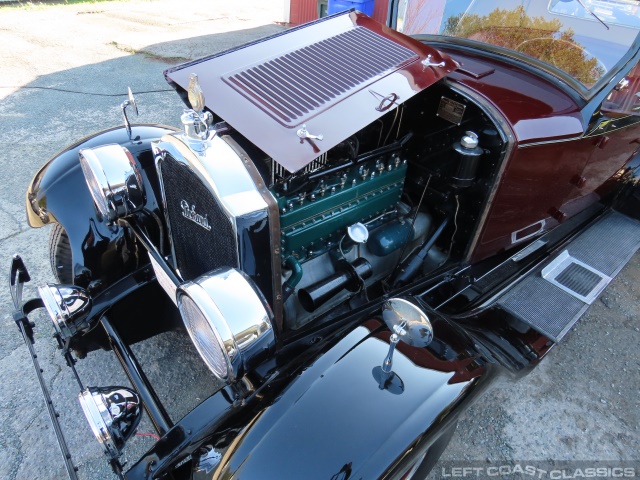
{"x":191,"y":208}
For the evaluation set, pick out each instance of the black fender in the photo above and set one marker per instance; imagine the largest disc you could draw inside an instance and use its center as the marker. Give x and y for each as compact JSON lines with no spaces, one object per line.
{"x":58,"y":193}
{"x":331,"y":419}
{"x":335,"y":420}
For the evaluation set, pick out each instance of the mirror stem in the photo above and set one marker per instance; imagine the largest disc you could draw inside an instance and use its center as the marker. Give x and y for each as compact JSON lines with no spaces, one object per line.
{"x":127,"y":125}
{"x":388,"y":362}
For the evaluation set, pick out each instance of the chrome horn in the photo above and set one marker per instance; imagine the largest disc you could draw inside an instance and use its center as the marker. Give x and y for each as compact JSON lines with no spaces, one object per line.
{"x":68,"y":306}
{"x":113,"y":414}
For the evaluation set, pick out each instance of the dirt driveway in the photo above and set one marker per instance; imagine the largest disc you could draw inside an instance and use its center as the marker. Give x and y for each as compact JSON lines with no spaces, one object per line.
{"x":582,"y":403}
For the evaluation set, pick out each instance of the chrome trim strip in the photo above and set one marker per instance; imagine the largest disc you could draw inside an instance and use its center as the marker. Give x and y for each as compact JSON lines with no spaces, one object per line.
{"x":514,"y":235}
{"x":549,"y":142}
{"x":274,"y":230}
{"x":158,"y":156}
{"x":600,"y":129}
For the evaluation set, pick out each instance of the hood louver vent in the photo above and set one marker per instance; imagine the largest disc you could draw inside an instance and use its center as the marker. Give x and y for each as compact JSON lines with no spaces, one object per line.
{"x":295,"y":86}
{"x":335,"y":75}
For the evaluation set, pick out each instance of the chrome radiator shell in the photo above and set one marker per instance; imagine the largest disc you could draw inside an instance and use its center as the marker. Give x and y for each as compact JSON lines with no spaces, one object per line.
{"x":215,"y":213}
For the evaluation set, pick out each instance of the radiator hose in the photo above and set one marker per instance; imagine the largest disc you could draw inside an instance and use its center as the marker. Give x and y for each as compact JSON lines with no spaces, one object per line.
{"x":289,"y":286}
{"x":410,"y":268}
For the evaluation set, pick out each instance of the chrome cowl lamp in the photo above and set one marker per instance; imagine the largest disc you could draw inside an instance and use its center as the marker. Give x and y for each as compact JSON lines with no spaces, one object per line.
{"x":113,"y":414}
{"x":68,"y":306}
{"x":228,"y":321}
{"x":114,"y":181}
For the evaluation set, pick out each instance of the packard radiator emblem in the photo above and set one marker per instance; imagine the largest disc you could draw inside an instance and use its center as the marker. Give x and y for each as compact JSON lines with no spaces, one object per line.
{"x":190,"y":213}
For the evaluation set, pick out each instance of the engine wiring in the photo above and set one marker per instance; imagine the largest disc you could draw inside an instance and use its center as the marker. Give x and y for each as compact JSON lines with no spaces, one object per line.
{"x":455,"y":230}
{"x":95,"y":94}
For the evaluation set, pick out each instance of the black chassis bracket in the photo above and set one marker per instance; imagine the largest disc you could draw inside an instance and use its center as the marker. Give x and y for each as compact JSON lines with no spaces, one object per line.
{"x":19,"y":276}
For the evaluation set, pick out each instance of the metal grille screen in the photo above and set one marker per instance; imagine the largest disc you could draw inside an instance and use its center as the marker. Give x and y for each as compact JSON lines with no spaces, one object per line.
{"x":577,"y":278}
{"x":197,"y":249}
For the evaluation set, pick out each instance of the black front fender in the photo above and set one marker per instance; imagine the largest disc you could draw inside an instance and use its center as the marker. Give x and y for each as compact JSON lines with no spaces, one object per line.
{"x":335,"y":419}
{"x":58,"y":193}
{"x":332,"y":419}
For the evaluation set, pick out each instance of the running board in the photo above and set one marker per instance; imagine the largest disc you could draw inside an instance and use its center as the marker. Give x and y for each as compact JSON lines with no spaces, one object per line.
{"x":552,"y":298}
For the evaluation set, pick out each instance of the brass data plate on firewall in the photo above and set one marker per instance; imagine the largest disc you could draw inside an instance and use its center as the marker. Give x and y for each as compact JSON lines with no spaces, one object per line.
{"x":451,"y":110}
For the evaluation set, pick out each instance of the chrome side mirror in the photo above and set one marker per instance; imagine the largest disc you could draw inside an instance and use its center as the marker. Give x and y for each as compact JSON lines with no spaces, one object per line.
{"x":130,"y":102}
{"x":408,"y":323}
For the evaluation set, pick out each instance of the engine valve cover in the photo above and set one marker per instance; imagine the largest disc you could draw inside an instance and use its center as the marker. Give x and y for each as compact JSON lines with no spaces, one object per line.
{"x":311,"y":220}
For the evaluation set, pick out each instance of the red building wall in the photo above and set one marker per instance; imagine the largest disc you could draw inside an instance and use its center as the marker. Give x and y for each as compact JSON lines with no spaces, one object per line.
{"x":303,"y":11}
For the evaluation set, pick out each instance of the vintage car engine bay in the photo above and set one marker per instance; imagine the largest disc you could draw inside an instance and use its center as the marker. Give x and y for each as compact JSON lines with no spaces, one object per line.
{"x":379,"y":208}
{"x":360,"y":212}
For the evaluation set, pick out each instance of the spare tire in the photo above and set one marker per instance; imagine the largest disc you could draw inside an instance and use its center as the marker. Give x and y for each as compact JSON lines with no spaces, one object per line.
{"x":60,"y":254}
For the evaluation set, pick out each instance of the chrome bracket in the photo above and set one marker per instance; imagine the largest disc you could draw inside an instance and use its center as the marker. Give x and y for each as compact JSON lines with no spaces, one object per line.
{"x":622,"y":85}
{"x":304,"y":134}
{"x":196,"y":129}
{"x":428,"y":63}
{"x":130,"y":102}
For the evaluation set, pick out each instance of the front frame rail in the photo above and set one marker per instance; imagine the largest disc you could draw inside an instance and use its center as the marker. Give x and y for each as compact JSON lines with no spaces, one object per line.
{"x":18,"y":277}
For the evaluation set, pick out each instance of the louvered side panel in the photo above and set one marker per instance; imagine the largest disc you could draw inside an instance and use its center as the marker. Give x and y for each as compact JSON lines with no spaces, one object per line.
{"x":299,"y":84}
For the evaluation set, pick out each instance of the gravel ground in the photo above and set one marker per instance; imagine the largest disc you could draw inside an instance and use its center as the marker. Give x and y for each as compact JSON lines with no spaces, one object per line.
{"x":581,"y":403}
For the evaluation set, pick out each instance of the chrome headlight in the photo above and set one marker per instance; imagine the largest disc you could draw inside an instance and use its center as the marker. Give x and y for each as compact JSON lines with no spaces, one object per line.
{"x":68,"y":307}
{"x":114,"y":180}
{"x":113,"y":414}
{"x":228,"y":321}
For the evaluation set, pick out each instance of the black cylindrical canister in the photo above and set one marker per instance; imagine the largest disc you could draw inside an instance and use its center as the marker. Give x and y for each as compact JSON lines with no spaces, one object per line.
{"x":468,"y":155}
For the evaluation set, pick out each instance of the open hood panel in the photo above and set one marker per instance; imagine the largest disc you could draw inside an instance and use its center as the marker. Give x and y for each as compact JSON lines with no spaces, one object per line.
{"x":334,"y":76}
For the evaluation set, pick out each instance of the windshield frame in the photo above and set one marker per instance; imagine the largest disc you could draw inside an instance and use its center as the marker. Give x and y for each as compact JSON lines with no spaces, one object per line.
{"x":558,"y":76}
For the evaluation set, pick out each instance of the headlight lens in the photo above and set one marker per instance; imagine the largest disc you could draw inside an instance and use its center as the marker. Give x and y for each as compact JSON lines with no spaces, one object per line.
{"x":228,"y":321}
{"x":205,"y":338}
{"x":114,"y":180}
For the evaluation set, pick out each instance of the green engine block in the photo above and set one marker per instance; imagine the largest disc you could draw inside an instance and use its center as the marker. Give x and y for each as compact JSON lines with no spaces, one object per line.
{"x":312,"y":221}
